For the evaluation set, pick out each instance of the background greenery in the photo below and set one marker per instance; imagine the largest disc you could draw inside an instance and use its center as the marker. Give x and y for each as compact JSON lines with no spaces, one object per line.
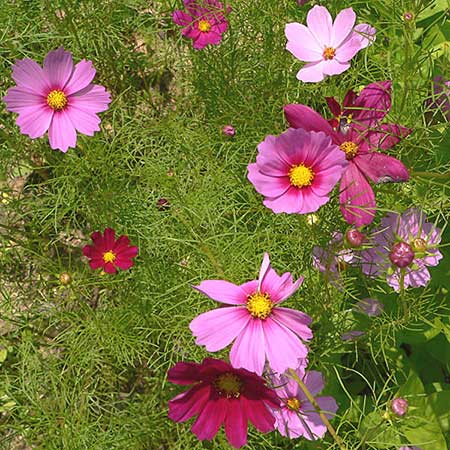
{"x":83,"y":366}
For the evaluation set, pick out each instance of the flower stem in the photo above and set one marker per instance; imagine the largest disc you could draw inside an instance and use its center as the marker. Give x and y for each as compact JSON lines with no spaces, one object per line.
{"x":324,"y":418}
{"x":402,"y":292}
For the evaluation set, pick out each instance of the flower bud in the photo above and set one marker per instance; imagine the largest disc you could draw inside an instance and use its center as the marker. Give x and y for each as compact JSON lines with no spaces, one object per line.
{"x":354,"y":237}
{"x":65,"y":278}
{"x":399,"y":406}
{"x":408,"y":16}
{"x":401,"y":254}
{"x":162,"y":204}
{"x":228,"y":130}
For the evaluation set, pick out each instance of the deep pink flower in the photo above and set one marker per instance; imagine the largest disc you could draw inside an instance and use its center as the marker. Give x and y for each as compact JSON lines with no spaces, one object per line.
{"x":109,"y":253}
{"x":296,"y":171}
{"x":204,"y":21}
{"x":59,"y":98}
{"x":221,"y":395}
{"x":325,"y":46}
{"x":417,"y":237}
{"x":297,"y":416}
{"x":356,"y":195}
{"x":260,"y":326}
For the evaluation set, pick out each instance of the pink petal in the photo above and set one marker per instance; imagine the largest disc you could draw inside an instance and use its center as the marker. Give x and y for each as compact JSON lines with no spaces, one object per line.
{"x":236,"y":423}
{"x":248,"y":349}
{"x":311,"y":201}
{"x":301,"y":116}
{"x":356,"y":197}
{"x":301,"y":43}
{"x":58,"y":66}
{"x":17,"y":99}
{"x":263,"y":270}
{"x":342,"y":26}
{"x":109,"y":238}
{"x":311,"y":72}
{"x":387,"y":136}
{"x":123,"y":263}
{"x":82,"y":75}
{"x":258,"y":414}
{"x":268,"y":186}
{"x":218,"y":328}
{"x":35,"y":120}
{"x":86,"y":122}
{"x":189,"y":404}
{"x":365,"y":33}
{"x":30,"y":76}
{"x":210,"y":419}
{"x":373,"y":103}
{"x":181,"y":18}
{"x":314,"y":382}
{"x":278,"y":337}
{"x":222,"y":291}
{"x":289,"y":289}
{"x":334,"y":66}
{"x":96,"y":263}
{"x":314,"y":426}
{"x":325,"y":180}
{"x":290,"y":202}
{"x":61,"y":133}
{"x":274,"y":283}
{"x":93,"y":98}
{"x":320,"y":24}
{"x":295,"y":321}
{"x":109,"y":268}
{"x":382,"y":168}
{"x":250,"y":287}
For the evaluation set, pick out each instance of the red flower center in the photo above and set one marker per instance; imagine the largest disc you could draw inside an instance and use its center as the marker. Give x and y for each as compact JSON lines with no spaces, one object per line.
{"x":109,"y":257}
{"x":329,"y":53}
{"x":228,"y":385}
{"x":57,"y":100}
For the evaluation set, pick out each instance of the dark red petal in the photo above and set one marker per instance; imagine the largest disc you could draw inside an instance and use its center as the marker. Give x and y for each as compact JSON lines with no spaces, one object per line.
{"x":96,"y":263}
{"x":349,"y":99}
{"x":109,"y":238}
{"x":210,"y":419}
{"x":184,"y":373}
{"x":334,"y":106}
{"x":87,"y":251}
{"x":259,"y":415}
{"x":121,"y":243}
{"x":123,"y":263}
{"x":189,"y":403}
{"x":109,"y":268}
{"x":236,"y":423}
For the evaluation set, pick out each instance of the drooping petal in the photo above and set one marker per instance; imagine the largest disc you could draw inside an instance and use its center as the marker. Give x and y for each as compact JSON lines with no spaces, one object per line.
{"x":382,"y":168}
{"x":302,"y":44}
{"x":320,"y":24}
{"x":61,"y":133}
{"x":29,"y":75}
{"x":334,"y":106}
{"x":181,"y":18}
{"x":342,"y":26}
{"x":217,"y":328}
{"x":82,"y":75}
{"x":302,"y":116}
{"x":236,"y":423}
{"x":311,"y":72}
{"x":35,"y":120}
{"x":222,"y":291}
{"x":58,"y":66}
{"x":17,"y":99}
{"x":184,"y":373}
{"x":189,"y":404}
{"x":296,"y":321}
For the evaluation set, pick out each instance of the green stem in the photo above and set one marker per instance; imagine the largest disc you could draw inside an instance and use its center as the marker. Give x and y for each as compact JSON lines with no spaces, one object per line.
{"x":324,"y":418}
{"x":402,"y":293}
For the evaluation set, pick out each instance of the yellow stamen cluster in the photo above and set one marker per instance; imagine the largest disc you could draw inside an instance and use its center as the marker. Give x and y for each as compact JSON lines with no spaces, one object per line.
{"x":109,"y":257}
{"x":301,"y":176}
{"x":419,"y":245}
{"x":57,"y":100}
{"x":350,"y":149}
{"x":204,"y":26}
{"x":329,"y":53}
{"x":293,"y":403}
{"x":228,"y":384}
{"x":259,"y":305}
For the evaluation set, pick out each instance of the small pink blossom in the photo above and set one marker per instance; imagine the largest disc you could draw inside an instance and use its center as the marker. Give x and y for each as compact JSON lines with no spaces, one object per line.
{"x":325,"y":46}
{"x":228,"y":130}
{"x":255,"y":322}
{"x":296,"y":171}
{"x":204,"y":22}
{"x":59,"y":98}
{"x":297,"y":416}
{"x":399,"y":406}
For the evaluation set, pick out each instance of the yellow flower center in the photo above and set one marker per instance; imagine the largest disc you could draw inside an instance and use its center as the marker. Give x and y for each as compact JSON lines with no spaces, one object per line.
{"x":301,"y":176}
{"x":419,"y":245}
{"x":293,"y":403}
{"x":259,"y":305}
{"x":109,"y":257}
{"x":228,"y":384}
{"x":204,"y":26}
{"x":57,"y":100}
{"x":350,"y":149}
{"x":329,"y":53}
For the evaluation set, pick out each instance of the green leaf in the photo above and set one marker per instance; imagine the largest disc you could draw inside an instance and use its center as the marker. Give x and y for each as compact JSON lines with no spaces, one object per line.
{"x":440,"y":402}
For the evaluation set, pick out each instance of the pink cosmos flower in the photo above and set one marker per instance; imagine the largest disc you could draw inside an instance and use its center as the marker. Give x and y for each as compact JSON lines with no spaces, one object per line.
{"x":325,"y":46}
{"x":403,"y":246}
{"x":356,"y":195}
{"x":220,"y":395}
{"x":259,"y":326}
{"x":297,"y":416}
{"x":59,"y":98}
{"x":204,"y":21}
{"x":296,"y":171}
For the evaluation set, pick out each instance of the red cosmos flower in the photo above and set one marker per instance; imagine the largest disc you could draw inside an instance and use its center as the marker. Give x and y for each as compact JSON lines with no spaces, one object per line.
{"x":222,"y":395}
{"x":109,"y":253}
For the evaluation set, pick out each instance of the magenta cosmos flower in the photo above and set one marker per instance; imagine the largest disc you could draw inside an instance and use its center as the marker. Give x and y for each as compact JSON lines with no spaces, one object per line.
{"x":220,"y":395}
{"x":204,"y":22}
{"x":260,"y":326}
{"x":296,"y":171}
{"x":297,"y":416}
{"x":403,"y":247}
{"x":356,"y":196}
{"x":109,"y":253}
{"x":325,"y":46}
{"x":59,"y":98}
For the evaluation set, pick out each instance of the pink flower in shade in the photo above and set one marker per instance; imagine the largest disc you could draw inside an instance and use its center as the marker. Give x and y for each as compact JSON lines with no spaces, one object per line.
{"x":356,"y":195}
{"x":333,"y":260}
{"x":220,"y":395}
{"x":59,"y":98}
{"x":297,"y":416}
{"x":403,"y":246}
{"x":109,"y":253}
{"x":370,"y":306}
{"x":296,"y":171}
{"x":204,"y":22}
{"x":259,"y":326}
{"x":325,"y":46}
{"x":441,"y":97}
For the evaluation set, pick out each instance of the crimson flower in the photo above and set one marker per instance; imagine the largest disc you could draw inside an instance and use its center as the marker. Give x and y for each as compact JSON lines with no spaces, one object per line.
{"x":109,"y":253}
{"x":220,"y":395}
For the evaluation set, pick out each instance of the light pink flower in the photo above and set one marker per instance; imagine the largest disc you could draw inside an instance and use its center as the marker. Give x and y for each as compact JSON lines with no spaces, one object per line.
{"x":297,"y":416}
{"x":259,"y":326}
{"x":325,"y":46}
{"x":59,"y":98}
{"x":296,"y":171}
{"x":403,"y":246}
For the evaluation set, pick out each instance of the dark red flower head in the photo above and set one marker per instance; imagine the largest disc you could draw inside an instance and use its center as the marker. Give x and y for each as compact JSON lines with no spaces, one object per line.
{"x":222,"y":395}
{"x":109,"y":253}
